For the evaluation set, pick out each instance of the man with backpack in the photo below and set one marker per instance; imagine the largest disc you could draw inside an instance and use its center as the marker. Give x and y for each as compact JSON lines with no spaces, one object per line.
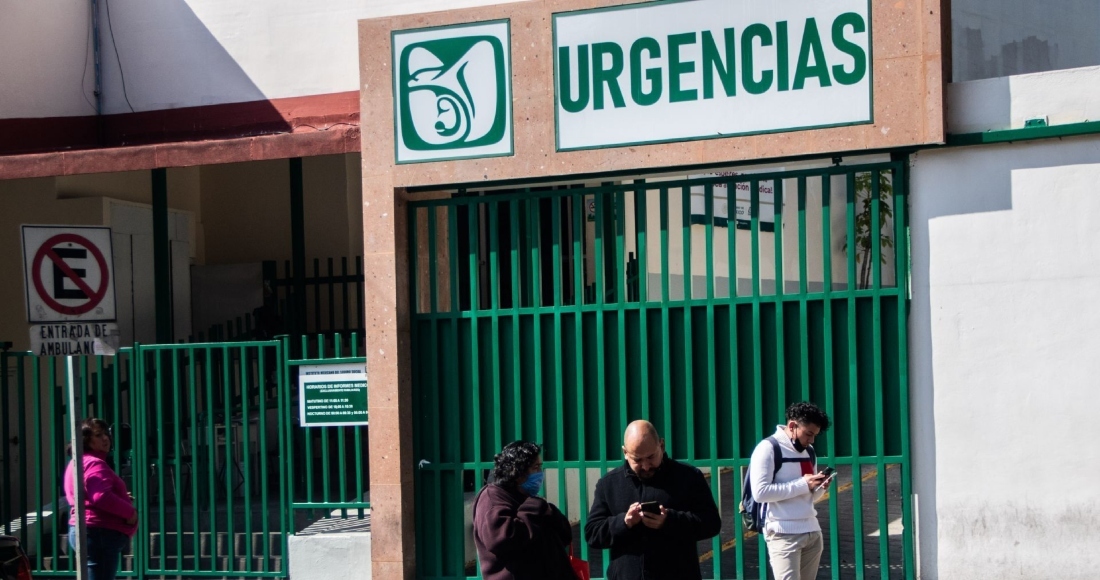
{"x":785,"y":483}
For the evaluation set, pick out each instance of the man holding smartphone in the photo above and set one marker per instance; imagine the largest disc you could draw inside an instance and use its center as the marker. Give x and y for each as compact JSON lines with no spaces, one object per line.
{"x":651,"y":511}
{"x":791,"y":529}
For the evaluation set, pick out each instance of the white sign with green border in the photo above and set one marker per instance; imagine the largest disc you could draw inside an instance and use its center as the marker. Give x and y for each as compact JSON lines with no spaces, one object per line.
{"x":332,"y":395}
{"x":452,"y":90}
{"x":703,"y":69}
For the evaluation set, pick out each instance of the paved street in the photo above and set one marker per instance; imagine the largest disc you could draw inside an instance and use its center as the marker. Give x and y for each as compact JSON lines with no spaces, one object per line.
{"x":845,"y":559}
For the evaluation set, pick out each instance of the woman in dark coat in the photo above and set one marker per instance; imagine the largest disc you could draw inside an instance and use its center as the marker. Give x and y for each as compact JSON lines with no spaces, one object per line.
{"x":519,"y":535}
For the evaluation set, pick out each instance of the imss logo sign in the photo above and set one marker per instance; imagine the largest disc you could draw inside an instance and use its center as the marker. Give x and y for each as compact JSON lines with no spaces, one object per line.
{"x":452,"y":92}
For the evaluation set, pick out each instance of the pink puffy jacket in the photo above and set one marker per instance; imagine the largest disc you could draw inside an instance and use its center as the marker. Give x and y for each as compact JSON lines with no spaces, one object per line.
{"x":106,"y":503}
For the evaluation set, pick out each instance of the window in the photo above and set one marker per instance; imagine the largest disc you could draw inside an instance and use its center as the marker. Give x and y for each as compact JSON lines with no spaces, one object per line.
{"x":995,"y":38}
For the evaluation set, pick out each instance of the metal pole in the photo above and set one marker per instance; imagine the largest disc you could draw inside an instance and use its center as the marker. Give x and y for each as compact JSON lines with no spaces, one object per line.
{"x":77,"y":441}
{"x":162,"y":258}
{"x":98,"y":90}
{"x":298,"y":245}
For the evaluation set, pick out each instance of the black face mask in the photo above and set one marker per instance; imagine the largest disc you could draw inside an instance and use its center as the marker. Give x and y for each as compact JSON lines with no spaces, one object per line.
{"x":798,"y":446}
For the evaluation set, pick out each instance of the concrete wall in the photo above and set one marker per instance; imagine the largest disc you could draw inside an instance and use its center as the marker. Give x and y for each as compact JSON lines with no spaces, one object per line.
{"x":1006,"y":268}
{"x":183,"y":53}
{"x":1001,"y":339}
{"x":1061,"y":97}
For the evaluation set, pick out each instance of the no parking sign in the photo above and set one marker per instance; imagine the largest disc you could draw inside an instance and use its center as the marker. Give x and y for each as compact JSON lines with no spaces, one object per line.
{"x":70,"y":290}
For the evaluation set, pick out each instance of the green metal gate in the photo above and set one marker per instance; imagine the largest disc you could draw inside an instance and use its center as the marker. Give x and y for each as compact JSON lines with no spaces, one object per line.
{"x":560,"y":314}
{"x":212,"y":502}
{"x":206,"y":437}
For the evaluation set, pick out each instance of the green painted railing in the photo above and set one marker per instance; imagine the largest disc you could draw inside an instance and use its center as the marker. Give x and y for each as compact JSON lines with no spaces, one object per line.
{"x":34,"y":422}
{"x":329,"y":464}
{"x":723,"y":332}
{"x":206,"y":438}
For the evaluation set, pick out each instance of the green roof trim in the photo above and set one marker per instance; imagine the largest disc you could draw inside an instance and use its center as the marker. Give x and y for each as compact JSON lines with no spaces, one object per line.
{"x":1024,"y":134}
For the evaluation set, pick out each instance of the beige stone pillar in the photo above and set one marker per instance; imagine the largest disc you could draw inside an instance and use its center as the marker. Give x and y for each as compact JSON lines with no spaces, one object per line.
{"x":389,"y":371}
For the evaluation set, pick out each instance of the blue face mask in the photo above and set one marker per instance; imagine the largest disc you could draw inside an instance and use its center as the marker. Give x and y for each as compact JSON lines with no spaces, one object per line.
{"x":533,"y":484}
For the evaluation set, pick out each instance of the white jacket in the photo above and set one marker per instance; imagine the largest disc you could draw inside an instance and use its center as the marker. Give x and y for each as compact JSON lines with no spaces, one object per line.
{"x":790,"y":501}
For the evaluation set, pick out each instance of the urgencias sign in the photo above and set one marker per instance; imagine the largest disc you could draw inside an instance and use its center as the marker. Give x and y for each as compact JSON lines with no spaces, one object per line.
{"x":673,"y":71}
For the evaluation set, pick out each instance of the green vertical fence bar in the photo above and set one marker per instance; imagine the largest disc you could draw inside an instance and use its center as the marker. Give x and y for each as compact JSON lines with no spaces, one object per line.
{"x":537,"y":301}
{"x":601,"y":376}
{"x":803,"y":292}
{"x":5,"y":424}
{"x":177,"y":445}
{"x":475,"y":345}
{"x":666,"y":366}
{"x":735,"y":384}
{"x":827,"y":346}
{"x":621,"y":293}
{"x":712,"y":394}
{"x":689,"y":295}
{"x":517,"y":303}
{"x":641,"y":228}
{"x":56,"y":441}
{"x":246,"y":484}
{"x":853,"y":371}
{"x":435,"y":438}
{"x":901,"y":274}
{"x":558,"y":362}
{"x":193,"y":415}
{"x":579,"y":234}
{"x":227,"y":394}
{"x":158,"y":398}
{"x":494,"y":283}
{"x":452,"y":397}
{"x":757,"y":319}
{"x":210,"y":354}
{"x":780,"y":345}
{"x":880,"y":440}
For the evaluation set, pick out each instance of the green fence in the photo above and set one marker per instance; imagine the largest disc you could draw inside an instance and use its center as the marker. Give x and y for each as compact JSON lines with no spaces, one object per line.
{"x":206,"y":438}
{"x":710,"y":333}
{"x":329,"y":464}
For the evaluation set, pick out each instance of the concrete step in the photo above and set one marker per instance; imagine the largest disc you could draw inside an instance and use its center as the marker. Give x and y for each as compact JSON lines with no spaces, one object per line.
{"x":185,"y":564}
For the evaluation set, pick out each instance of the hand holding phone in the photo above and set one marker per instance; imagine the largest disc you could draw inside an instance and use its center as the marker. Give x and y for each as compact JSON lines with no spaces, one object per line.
{"x":651,"y":507}
{"x":829,"y":473}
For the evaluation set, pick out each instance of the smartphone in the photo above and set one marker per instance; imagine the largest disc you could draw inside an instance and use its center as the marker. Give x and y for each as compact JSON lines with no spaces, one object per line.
{"x":651,"y":507}
{"x":828,"y":472}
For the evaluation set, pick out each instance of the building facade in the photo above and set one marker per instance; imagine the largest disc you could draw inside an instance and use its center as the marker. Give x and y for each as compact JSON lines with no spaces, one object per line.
{"x":539,"y":193}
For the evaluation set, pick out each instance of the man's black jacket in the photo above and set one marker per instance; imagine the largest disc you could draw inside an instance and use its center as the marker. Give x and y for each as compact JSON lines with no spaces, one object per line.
{"x":642,"y":553}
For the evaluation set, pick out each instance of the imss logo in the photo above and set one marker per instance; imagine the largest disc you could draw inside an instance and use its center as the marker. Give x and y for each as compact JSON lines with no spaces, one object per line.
{"x":452,"y":93}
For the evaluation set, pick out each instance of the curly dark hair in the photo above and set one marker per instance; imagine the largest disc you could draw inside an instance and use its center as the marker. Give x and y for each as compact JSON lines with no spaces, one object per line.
{"x":514,"y":461}
{"x":808,"y":413}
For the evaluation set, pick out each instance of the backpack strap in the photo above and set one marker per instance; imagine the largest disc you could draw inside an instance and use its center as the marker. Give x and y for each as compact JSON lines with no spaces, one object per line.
{"x":777,"y":455}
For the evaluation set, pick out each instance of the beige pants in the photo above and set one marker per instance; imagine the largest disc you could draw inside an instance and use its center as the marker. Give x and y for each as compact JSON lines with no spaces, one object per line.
{"x":795,"y":556}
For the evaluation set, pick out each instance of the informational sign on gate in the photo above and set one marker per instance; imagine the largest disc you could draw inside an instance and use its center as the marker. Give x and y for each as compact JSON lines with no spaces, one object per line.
{"x":742,"y":206}
{"x":70,"y":290}
{"x":332,"y":395}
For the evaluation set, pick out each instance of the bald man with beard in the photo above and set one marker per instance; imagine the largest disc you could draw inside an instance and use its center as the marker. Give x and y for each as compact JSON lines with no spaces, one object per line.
{"x":645,"y":545}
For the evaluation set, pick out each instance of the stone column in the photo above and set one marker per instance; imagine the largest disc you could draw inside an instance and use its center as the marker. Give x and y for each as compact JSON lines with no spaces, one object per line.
{"x":389,"y":374}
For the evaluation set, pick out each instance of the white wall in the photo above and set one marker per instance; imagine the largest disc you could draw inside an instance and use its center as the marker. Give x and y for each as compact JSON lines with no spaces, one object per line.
{"x":181,"y":53}
{"x":42,"y":58}
{"x":1004,"y":359}
{"x":1065,"y":96}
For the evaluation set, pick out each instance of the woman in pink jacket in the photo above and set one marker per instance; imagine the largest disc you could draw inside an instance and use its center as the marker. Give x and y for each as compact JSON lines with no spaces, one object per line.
{"x":108,"y":509}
